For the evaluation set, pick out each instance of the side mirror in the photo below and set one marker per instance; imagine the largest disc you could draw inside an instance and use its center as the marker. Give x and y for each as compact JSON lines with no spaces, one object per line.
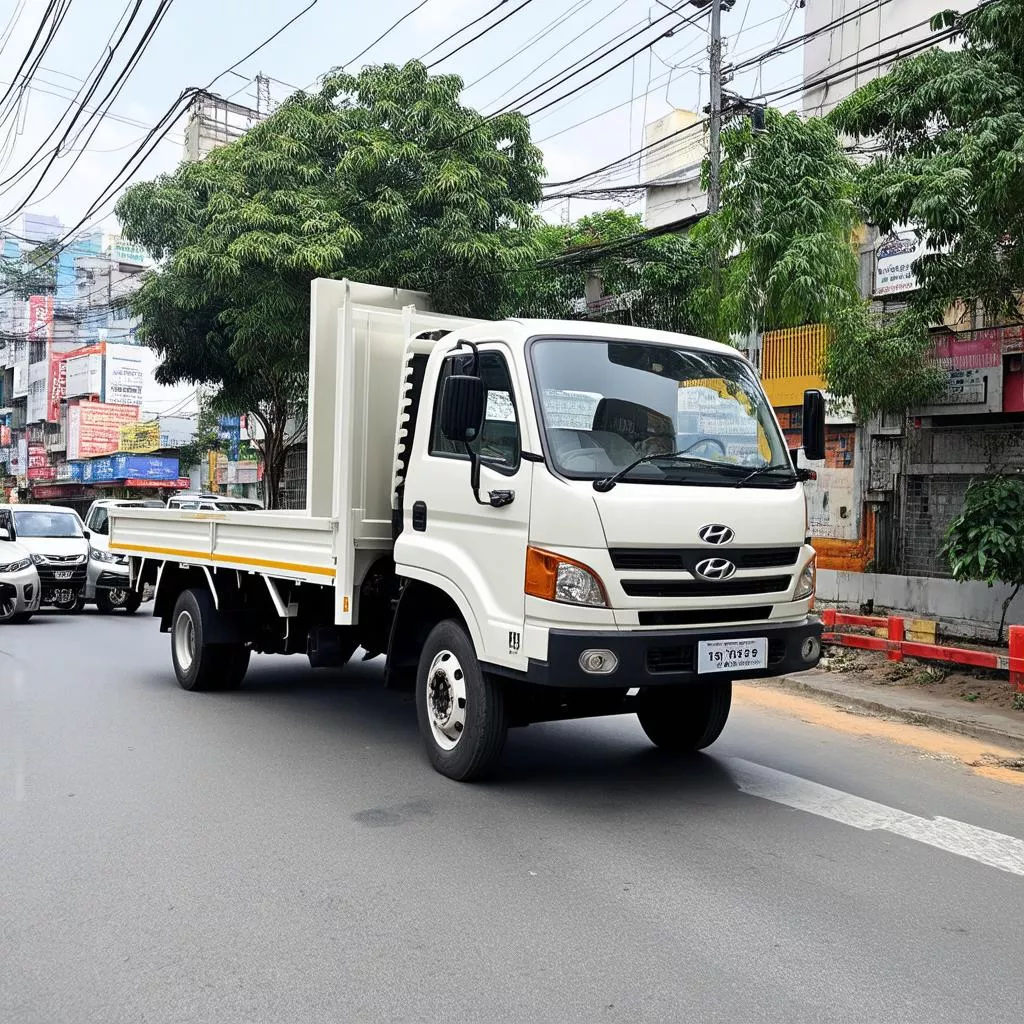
{"x":814,"y":426}
{"x":462,"y":408}
{"x":87,"y":534}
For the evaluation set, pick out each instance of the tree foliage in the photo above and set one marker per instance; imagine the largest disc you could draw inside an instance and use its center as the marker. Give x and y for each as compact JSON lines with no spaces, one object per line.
{"x":787,"y":223}
{"x":879,"y":360}
{"x":382,"y":177}
{"x":32,"y":273}
{"x":659,"y":274}
{"x":948,"y":125}
{"x":986,"y":542}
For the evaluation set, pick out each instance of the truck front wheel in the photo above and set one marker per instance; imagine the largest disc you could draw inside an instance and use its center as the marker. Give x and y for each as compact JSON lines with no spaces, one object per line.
{"x":461,"y":709}
{"x":682,"y":719}
{"x":198,"y":664}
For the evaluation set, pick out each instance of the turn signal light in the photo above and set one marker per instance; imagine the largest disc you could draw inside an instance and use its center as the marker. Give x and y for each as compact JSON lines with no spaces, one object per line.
{"x":554,"y":577}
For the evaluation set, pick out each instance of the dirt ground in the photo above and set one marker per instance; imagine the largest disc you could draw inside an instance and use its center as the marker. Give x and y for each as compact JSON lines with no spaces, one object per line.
{"x":973,"y":686}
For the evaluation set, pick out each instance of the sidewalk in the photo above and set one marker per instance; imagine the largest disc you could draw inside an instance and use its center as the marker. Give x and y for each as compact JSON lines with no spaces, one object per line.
{"x":989,"y":724}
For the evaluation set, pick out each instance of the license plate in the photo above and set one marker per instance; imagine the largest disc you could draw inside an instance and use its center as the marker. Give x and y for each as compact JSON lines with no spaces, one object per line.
{"x":732,"y":655}
{"x":64,"y":574}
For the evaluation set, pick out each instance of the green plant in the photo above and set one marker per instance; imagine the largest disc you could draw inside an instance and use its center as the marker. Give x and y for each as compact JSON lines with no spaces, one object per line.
{"x":986,"y":541}
{"x":971,"y":696}
{"x":383,"y":177}
{"x":1018,"y":702}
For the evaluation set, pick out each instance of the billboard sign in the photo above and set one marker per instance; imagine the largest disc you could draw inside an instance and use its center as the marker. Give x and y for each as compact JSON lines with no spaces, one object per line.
{"x":56,"y":386}
{"x":40,"y":318}
{"x":124,"y":374}
{"x":894,"y":262}
{"x":94,"y":428}
{"x":140,"y":437}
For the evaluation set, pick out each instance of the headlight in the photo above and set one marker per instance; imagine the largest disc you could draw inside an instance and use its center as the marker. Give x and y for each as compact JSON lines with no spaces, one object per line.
{"x":103,"y":556}
{"x":805,"y":585}
{"x":21,"y":566}
{"x":555,"y":578}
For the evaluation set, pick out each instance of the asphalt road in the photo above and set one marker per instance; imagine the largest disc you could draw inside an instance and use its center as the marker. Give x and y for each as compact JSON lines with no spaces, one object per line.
{"x":284,"y":854}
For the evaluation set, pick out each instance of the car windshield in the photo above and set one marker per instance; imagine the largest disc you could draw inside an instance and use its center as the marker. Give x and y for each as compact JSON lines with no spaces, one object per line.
{"x":47,"y":524}
{"x":607,"y":404}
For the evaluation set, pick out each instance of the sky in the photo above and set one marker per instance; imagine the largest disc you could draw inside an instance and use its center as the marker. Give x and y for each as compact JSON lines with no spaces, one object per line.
{"x":198,"y":39}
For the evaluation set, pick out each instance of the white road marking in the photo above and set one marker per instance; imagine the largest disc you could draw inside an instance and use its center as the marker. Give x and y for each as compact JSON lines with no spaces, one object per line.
{"x":992,"y":848}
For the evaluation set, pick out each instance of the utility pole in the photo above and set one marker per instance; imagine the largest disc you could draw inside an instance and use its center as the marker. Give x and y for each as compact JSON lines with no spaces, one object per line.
{"x":715,"y":141}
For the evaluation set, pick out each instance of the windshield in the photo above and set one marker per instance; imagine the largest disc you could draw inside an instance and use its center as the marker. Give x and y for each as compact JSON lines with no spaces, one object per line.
{"x":47,"y":524}
{"x":607,"y":404}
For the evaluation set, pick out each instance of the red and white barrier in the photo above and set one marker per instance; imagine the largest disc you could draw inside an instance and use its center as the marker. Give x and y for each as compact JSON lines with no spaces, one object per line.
{"x":897,"y":647}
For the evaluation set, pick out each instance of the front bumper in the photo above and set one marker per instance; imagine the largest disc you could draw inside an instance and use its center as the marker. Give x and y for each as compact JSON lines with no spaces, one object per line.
{"x":27,"y":592}
{"x":667,"y":657}
{"x":106,"y":576}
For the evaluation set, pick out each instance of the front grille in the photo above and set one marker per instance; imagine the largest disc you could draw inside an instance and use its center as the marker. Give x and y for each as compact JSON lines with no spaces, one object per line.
{"x":685,"y":559}
{"x":703,"y":616}
{"x":49,"y":581}
{"x":706,"y":588}
{"x":682,"y":658}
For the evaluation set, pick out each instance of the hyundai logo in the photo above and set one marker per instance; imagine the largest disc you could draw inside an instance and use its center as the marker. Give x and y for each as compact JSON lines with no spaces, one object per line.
{"x":716,"y":569}
{"x":715,"y":533}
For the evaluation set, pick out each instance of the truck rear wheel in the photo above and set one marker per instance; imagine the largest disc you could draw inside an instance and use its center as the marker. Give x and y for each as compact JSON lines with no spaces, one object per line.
{"x":461,"y":709}
{"x":683,"y":719}
{"x":198,"y":664}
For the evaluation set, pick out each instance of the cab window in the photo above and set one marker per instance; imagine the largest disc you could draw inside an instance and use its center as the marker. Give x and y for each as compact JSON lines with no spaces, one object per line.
{"x":100,"y":520}
{"x":498,"y":445}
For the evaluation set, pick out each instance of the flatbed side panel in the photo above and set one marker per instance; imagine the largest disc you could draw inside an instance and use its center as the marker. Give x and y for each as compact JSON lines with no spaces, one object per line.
{"x":294,"y":547}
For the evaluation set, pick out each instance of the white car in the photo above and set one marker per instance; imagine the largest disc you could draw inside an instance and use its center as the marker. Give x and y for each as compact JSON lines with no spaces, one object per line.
{"x":108,"y":582}
{"x":191,"y":502}
{"x":19,"y":581}
{"x":56,"y":542}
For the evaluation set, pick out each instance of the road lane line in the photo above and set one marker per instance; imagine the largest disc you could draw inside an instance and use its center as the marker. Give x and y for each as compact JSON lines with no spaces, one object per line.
{"x":991,"y":848}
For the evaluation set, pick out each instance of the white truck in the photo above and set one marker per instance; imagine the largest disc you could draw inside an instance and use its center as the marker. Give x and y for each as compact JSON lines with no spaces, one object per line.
{"x":531,"y":521}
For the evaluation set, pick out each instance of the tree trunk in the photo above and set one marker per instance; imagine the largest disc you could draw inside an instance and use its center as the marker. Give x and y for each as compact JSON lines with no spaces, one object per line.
{"x":1006,"y":608}
{"x":274,"y":449}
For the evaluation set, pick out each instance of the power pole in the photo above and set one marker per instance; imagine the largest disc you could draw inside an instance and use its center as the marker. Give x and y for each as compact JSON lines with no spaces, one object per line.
{"x":715,"y":141}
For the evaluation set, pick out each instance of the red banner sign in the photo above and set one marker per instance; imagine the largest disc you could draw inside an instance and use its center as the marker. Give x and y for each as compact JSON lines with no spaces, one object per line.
{"x":42,"y":473}
{"x":40,"y":318}
{"x":182,"y":483}
{"x":56,"y":386}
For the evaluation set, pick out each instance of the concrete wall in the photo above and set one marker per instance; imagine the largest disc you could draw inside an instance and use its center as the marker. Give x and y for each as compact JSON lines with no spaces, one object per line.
{"x":964,"y":610}
{"x":882,"y":28}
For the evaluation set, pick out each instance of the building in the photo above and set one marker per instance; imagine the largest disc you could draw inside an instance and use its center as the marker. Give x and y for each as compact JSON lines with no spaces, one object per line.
{"x":214,"y":121}
{"x":850,"y":42}
{"x":675,"y":149}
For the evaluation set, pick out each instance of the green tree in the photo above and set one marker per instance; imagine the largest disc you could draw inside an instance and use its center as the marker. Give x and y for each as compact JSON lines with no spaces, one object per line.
{"x":985,"y":542}
{"x":32,"y":273}
{"x":206,"y":438}
{"x":383,"y":177}
{"x":948,"y":130}
{"x":787,"y":224}
{"x":659,"y":275}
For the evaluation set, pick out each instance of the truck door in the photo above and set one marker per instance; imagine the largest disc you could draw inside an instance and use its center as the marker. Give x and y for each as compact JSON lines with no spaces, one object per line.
{"x":447,"y":534}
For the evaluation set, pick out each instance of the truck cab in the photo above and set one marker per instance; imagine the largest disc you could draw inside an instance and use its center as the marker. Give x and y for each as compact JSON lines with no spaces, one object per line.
{"x":531,"y":520}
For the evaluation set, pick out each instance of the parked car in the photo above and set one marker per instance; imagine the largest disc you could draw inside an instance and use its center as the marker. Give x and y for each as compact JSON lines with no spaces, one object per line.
{"x":57,"y":545}
{"x":19,"y":581}
{"x":213,"y":503}
{"x":108,"y":582}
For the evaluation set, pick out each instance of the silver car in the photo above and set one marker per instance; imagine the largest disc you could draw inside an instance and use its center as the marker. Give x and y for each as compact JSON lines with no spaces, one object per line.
{"x":20,"y":590}
{"x":108,"y":583}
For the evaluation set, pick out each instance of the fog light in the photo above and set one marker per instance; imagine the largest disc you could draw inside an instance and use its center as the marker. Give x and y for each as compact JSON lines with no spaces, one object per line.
{"x":598,"y":663}
{"x":811,"y":649}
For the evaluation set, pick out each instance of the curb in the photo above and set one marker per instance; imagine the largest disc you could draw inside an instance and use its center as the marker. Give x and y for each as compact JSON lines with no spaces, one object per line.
{"x":958,"y":726}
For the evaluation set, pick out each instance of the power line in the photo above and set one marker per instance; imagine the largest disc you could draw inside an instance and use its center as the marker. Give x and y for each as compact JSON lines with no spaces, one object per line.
{"x":385,"y":33}
{"x":462,"y":46}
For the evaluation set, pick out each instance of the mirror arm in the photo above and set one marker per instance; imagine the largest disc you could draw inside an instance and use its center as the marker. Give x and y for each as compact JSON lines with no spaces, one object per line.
{"x":495,"y":499}
{"x":476,"y":355}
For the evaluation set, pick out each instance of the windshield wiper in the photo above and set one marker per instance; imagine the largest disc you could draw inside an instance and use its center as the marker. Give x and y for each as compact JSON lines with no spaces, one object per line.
{"x":608,"y":482}
{"x":767,"y":469}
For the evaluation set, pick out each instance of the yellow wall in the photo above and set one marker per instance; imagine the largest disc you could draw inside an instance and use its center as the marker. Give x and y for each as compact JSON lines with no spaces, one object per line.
{"x":792,"y":361}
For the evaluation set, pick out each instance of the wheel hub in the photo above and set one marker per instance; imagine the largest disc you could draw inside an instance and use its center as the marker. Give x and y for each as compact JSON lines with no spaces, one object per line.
{"x":446,"y":699}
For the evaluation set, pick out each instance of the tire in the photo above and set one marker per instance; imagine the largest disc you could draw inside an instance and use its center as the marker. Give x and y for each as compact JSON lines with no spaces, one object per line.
{"x":80,"y":605}
{"x":688,"y":718}
{"x":110,"y":601}
{"x":460,"y":709}
{"x":199,"y":665}
{"x":21,"y":618}
{"x":74,"y":607}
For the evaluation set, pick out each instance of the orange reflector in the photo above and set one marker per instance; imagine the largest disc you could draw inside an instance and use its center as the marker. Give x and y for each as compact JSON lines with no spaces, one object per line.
{"x":541,"y":573}
{"x":344,"y":604}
